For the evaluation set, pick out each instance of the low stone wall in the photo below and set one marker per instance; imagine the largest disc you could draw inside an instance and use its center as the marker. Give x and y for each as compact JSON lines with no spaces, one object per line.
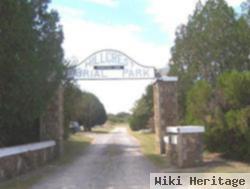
{"x":23,"y":158}
{"x":187,"y":152}
{"x":184,"y":145}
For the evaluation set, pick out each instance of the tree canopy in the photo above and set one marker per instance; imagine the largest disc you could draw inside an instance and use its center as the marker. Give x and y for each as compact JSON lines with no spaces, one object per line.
{"x":213,"y":41}
{"x":31,"y":66}
{"x":211,"y":57}
{"x":83,"y":107}
{"x":142,"y":110}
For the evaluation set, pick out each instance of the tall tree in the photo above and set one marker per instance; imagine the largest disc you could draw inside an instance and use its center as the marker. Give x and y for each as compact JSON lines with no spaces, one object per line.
{"x":142,"y":111}
{"x":246,"y":10}
{"x":83,"y":107}
{"x":30,"y":66}
{"x":213,"y":41}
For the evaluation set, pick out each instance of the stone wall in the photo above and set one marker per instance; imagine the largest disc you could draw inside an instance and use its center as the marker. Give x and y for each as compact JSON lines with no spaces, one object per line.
{"x":23,"y":158}
{"x":150,"y":124}
{"x":51,"y":123}
{"x":188,"y":150}
{"x":165,"y":108}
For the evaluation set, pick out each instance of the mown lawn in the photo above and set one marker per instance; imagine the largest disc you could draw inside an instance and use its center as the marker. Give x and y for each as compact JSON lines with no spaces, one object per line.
{"x":73,"y":147}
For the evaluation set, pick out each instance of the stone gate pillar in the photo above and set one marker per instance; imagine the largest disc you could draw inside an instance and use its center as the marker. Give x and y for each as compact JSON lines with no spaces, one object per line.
{"x":165,"y":107}
{"x":51,"y":123}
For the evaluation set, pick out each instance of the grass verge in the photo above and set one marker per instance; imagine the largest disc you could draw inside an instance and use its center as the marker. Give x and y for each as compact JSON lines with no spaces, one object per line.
{"x":102,"y":129}
{"x":148,"y":147}
{"x":212,"y":163}
{"x":73,"y":147}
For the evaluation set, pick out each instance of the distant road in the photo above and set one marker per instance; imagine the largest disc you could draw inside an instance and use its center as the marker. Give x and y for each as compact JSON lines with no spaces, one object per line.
{"x":113,"y":161}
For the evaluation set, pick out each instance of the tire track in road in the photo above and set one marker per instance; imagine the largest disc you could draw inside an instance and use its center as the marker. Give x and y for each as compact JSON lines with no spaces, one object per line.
{"x":113,"y":161}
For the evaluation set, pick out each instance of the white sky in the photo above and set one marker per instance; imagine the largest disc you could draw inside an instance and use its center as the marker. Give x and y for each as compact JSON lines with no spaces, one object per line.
{"x":87,"y":29}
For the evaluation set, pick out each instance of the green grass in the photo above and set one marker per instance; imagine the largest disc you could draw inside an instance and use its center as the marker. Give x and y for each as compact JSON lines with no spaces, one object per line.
{"x":73,"y":148}
{"x":228,"y":166}
{"x":104,"y":129}
{"x":214,"y":165}
{"x":222,"y":166}
{"x":148,"y":147}
{"x":19,"y":183}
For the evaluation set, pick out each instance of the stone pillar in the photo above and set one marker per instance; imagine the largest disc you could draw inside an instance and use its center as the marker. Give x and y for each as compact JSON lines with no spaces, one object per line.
{"x":165,"y":107}
{"x":51,"y":123}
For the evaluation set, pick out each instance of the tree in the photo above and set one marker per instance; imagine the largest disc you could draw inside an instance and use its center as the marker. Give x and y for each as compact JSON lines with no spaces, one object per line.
{"x":246,"y":10}
{"x":121,"y":117}
{"x":30,"y":67}
{"x":233,"y":91}
{"x":198,"y":99}
{"x":72,"y":101}
{"x":210,"y":56}
{"x":83,"y":107}
{"x":142,"y":111}
{"x":213,"y":41}
{"x":93,"y":111}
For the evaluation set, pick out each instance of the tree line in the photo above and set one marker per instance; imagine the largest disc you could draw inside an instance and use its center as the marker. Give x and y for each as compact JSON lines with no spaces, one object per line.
{"x":31,"y":68}
{"x":211,"y":57}
{"x":142,"y":110}
{"x":83,"y":107}
{"x":121,"y":117}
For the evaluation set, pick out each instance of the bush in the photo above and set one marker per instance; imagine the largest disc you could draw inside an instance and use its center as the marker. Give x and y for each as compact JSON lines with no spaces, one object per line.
{"x":238,"y":133}
{"x":121,"y":117}
{"x":31,"y":67}
{"x":235,"y":89}
{"x":142,"y":110}
{"x":225,"y":111}
{"x":83,"y":107}
{"x":137,"y":122}
{"x":197,"y":103}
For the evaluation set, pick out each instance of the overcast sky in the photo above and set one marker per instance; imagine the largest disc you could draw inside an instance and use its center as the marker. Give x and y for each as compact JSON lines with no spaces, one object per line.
{"x":143,"y":29}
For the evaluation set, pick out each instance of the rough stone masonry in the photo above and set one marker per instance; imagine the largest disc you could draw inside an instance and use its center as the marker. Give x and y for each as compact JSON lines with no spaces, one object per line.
{"x":165,"y":108}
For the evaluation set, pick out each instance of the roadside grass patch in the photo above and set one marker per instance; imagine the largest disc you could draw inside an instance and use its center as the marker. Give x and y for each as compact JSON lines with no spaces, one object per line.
{"x":148,"y":148}
{"x":73,"y":148}
{"x":103,"y":129}
{"x":231,"y":167}
{"x":214,"y":165}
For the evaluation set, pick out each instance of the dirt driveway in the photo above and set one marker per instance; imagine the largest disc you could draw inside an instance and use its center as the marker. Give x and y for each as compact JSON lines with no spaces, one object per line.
{"x":113,"y":161}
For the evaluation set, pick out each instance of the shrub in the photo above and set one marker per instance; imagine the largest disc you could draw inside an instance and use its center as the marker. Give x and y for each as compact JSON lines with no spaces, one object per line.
{"x":142,"y":110}
{"x":197,"y":103}
{"x":225,"y":111}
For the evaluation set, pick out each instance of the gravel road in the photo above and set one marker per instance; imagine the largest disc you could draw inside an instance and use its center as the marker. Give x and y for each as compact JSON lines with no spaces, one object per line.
{"x":113,"y":161}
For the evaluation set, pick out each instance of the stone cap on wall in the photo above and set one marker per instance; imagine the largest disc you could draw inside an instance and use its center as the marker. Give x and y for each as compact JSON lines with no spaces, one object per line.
{"x":168,"y":78}
{"x":185,"y":129}
{"x":9,"y":151}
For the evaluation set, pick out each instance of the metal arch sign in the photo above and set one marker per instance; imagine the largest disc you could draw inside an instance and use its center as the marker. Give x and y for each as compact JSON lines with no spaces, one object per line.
{"x":110,"y":64}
